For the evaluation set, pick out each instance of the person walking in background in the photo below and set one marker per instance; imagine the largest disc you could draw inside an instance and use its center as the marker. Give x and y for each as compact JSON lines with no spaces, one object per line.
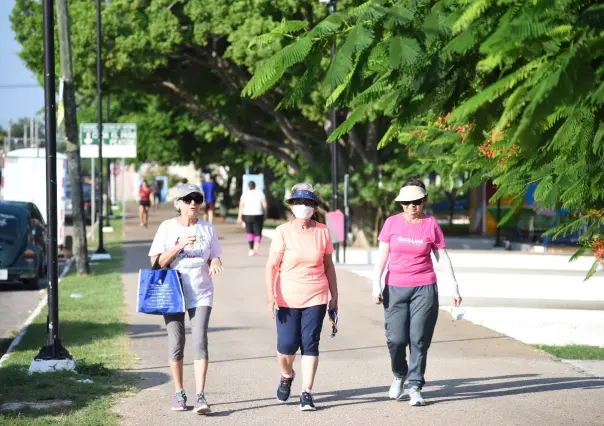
{"x":209,"y":192}
{"x":410,"y":294}
{"x":189,"y":245}
{"x":144,"y":197}
{"x":300,"y":276}
{"x":252,"y":211}
{"x":156,"y":189}
{"x":184,"y":180}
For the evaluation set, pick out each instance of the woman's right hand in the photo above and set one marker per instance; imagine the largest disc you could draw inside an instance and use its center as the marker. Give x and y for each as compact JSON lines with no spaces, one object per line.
{"x":271,"y":305}
{"x":377,"y":300}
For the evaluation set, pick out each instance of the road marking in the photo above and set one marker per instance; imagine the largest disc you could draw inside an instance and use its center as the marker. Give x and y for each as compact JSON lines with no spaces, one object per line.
{"x":33,"y":316}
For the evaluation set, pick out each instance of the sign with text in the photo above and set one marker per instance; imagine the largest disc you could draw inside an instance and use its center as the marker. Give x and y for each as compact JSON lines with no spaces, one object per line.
{"x":119,"y":140}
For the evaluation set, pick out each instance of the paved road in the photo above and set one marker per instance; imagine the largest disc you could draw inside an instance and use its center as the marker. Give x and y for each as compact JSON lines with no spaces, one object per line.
{"x":475,"y":376}
{"x":16,"y":304}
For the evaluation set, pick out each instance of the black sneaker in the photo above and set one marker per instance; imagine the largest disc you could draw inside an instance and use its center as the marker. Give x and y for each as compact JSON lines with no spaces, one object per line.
{"x":285,"y":387}
{"x":306,"y":402}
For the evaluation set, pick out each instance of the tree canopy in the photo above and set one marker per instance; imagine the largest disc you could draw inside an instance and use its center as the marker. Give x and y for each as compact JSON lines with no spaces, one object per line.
{"x":508,"y":90}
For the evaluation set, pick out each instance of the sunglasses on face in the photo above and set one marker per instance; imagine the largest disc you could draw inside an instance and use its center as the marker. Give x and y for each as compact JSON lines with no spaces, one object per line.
{"x":197,"y":199}
{"x":414,"y":202}
{"x":307,"y":203}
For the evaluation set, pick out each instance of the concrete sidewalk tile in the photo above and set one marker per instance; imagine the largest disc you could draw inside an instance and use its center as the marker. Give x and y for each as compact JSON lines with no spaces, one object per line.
{"x":475,"y":376}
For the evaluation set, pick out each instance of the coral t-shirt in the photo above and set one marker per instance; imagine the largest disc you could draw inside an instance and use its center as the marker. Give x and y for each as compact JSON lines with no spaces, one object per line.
{"x":410,"y":247}
{"x":301,"y":281}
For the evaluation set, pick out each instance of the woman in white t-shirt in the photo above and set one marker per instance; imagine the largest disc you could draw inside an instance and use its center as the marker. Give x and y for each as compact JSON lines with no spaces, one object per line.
{"x":189,"y":245}
{"x":252,"y":211}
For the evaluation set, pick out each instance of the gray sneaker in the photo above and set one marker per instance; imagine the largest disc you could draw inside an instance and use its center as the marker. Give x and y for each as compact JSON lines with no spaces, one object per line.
{"x":179,"y":402}
{"x":396,"y":389}
{"x":415,"y":397}
{"x":201,"y":405}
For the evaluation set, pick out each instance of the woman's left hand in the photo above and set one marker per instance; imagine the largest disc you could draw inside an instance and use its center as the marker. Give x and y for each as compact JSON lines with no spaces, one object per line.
{"x":216,"y":267}
{"x":333,"y":303}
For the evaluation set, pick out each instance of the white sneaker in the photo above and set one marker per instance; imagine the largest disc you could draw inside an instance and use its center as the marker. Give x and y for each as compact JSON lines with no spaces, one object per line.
{"x":396,"y":389}
{"x":251,"y":253}
{"x":415,"y":398}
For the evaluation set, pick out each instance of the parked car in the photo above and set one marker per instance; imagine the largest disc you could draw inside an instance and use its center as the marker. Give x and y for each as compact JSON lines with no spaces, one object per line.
{"x":22,"y":244}
{"x":87,"y":197}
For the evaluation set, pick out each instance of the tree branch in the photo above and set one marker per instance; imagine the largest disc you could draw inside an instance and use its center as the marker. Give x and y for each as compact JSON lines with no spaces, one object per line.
{"x":250,"y":141}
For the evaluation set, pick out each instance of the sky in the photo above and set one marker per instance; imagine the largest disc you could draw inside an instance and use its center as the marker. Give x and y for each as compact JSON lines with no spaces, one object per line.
{"x":15,"y":102}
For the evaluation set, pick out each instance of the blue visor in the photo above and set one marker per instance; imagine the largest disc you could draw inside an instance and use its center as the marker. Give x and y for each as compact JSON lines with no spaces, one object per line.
{"x":303,"y":195}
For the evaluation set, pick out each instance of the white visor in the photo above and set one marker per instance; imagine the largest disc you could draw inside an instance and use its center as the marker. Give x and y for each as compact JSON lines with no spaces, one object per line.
{"x":411,"y":193}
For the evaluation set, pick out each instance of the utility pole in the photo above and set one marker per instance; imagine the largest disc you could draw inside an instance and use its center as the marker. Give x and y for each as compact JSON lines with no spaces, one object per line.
{"x":53,"y":356}
{"x":7,"y":146}
{"x":24,"y":135}
{"x":108,"y":161}
{"x":31,"y":133}
{"x":80,"y":243}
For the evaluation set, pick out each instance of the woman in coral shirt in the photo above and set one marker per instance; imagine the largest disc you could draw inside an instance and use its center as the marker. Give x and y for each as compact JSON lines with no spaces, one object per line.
{"x":300,"y":276}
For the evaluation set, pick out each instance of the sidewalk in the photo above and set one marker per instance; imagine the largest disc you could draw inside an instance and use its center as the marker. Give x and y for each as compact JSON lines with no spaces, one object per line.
{"x":475,"y":376}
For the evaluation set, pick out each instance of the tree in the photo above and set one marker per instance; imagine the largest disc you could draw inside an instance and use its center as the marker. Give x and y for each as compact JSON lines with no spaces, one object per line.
{"x":72,"y":144}
{"x":526,"y":78}
{"x":179,"y":68}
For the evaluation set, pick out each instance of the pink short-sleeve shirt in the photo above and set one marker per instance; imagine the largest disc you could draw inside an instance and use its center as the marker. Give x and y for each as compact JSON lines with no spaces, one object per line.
{"x":410,"y":247}
{"x":301,"y":281}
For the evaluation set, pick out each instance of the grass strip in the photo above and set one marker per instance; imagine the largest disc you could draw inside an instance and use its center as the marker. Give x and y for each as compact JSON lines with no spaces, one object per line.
{"x":582,"y":352}
{"x":93,"y":329}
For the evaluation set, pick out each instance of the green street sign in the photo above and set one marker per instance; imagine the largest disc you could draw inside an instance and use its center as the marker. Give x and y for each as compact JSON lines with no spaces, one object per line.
{"x":119,"y":140}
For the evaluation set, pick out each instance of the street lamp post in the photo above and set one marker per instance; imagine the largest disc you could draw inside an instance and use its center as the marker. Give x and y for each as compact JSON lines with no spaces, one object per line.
{"x":52,"y":356}
{"x":99,"y":40}
{"x":331,"y":8}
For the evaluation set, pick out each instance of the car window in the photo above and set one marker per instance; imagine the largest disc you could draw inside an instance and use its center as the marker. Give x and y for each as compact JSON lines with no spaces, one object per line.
{"x":10,"y":225}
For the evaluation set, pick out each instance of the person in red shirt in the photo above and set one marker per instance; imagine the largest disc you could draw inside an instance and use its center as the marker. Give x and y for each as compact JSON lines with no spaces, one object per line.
{"x":144,"y":196}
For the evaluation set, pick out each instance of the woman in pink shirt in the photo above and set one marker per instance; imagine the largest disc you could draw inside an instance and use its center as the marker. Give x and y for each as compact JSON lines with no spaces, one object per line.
{"x":300,"y":276}
{"x":410,"y":295}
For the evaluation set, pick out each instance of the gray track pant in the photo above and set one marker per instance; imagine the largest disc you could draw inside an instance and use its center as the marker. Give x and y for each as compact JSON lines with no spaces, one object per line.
{"x":175,"y":324}
{"x":410,"y":315}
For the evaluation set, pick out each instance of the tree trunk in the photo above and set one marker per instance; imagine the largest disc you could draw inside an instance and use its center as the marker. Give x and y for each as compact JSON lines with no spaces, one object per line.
{"x":80,"y":245}
{"x":452,"y":195}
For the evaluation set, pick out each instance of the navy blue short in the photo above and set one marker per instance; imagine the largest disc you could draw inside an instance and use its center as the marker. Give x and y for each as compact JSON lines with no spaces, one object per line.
{"x":300,"y":329}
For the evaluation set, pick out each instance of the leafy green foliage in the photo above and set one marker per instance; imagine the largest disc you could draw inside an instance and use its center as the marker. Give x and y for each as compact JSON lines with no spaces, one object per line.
{"x":522,"y":81}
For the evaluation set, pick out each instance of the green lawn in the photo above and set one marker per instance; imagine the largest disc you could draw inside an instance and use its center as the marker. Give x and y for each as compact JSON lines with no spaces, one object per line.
{"x":574,"y":351}
{"x":93,"y":331}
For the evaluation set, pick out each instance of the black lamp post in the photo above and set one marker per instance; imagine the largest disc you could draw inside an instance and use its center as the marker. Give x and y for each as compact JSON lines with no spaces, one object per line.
{"x":331,"y":7}
{"x":53,"y":349}
{"x":99,"y":92}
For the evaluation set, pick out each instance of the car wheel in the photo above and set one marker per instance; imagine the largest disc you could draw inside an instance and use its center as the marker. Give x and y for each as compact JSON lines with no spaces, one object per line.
{"x":31,"y":284}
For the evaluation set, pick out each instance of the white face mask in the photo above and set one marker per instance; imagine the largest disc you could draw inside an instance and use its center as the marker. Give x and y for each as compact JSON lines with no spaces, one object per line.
{"x":302,"y":211}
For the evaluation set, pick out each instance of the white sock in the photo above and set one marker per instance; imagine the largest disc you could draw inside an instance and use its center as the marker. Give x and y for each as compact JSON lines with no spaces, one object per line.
{"x":287,"y":376}
{"x":307,"y":390}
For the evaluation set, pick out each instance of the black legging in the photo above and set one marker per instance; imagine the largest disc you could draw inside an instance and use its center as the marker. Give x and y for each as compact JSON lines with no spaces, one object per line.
{"x":253,"y":227}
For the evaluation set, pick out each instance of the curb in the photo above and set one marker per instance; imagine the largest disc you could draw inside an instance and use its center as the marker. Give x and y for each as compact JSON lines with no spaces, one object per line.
{"x":33,"y":316}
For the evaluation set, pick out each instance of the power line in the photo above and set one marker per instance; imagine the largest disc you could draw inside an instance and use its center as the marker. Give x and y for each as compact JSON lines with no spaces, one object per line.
{"x":19,"y":86}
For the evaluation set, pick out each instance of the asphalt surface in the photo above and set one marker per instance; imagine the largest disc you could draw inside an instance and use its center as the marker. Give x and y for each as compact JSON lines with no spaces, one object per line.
{"x":475,"y":376}
{"x":16,"y":304}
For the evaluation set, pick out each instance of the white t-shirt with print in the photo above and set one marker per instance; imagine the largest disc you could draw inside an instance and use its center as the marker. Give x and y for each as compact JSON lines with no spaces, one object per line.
{"x":252,"y":203}
{"x":192,"y":262}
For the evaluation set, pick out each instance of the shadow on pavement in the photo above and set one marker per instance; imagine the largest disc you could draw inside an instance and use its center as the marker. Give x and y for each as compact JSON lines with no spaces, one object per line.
{"x":145,"y":331}
{"x":450,"y":390}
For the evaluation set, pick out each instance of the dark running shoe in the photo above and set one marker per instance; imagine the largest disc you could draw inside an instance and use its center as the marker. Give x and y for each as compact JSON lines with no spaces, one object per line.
{"x":285,"y":387}
{"x":306,"y":402}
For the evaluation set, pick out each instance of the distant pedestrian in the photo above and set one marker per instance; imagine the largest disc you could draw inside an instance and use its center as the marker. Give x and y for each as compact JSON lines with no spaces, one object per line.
{"x":209,"y":192}
{"x":252,"y":211}
{"x":184,"y":180}
{"x":189,"y":245}
{"x":156,"y":188}
{"x":410,"y":295}
{"x":144,"y":196}
{"x":300,"y":276}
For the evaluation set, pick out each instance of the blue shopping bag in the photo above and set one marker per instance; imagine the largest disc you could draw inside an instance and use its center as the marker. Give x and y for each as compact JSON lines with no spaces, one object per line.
{"x":160,"y":292}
